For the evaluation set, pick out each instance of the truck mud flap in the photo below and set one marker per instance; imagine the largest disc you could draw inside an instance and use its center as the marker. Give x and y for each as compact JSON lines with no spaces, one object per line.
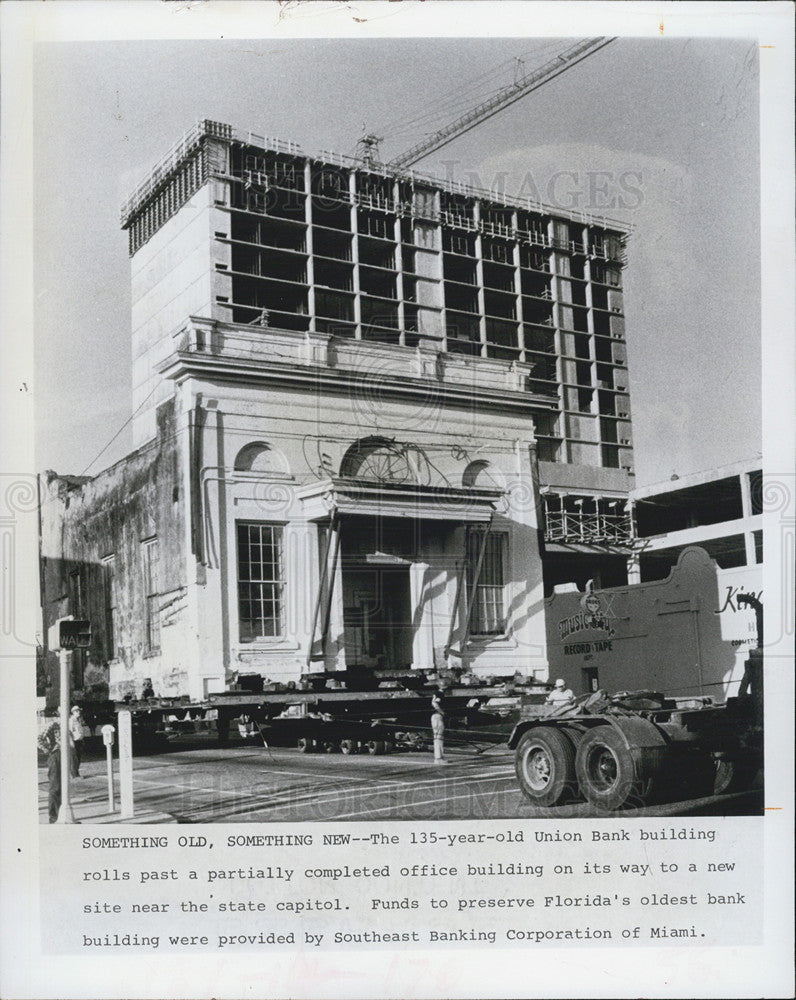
{"x":646,"y":743}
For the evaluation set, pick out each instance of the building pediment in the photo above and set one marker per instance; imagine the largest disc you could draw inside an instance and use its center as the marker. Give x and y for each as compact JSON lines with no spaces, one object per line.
{"x":358,"y":497}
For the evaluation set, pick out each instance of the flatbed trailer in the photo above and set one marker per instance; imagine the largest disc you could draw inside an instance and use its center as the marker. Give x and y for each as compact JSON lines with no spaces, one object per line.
{"x":377,"y":721}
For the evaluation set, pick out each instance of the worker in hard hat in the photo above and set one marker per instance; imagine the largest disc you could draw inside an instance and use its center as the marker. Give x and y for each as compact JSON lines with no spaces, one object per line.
{"x":438,"y":726}
{"x":561,"y":694}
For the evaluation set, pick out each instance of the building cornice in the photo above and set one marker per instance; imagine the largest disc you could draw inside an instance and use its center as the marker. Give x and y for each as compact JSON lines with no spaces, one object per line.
{"x":182,"y":365}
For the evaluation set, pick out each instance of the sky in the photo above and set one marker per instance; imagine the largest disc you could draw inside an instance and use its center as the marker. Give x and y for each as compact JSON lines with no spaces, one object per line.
{"x":659,"y":133}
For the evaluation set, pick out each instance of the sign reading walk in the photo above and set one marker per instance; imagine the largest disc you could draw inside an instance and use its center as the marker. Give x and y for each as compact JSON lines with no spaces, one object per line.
{"x":70,"y":633}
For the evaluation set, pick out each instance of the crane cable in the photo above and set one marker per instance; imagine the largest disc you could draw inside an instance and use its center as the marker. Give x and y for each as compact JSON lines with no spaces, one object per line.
{"x":453,"y":100}
{"x":502,"y":99}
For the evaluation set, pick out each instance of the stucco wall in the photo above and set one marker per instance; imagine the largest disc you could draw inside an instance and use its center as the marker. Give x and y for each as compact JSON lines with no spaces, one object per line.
{"x":84,"y":522}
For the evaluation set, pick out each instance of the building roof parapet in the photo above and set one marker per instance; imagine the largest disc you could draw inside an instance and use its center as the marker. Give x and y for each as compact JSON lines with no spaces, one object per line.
{"x":183,"y":148}
{"x":205,"y":128}
{"x":227,"y":343}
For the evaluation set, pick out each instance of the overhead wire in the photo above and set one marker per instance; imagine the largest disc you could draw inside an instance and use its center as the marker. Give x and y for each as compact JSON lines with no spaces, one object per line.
{"x":119,"y":431}
{"x":109,"y":443}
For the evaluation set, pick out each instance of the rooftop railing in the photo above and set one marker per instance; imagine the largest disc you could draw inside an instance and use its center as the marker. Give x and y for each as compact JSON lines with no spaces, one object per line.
{"x":207,"y":128}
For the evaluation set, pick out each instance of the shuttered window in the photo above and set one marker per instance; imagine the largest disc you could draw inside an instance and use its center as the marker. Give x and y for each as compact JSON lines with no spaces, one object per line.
{"x":150,"y":554}
{"x":109,"y":588}
{"x":488,"y":616}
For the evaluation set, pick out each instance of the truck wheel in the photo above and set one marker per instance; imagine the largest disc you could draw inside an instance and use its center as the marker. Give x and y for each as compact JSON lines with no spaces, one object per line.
{"x":348,"y":746}
{"x":376,"y":747}
{"x":734,"y":775}
{"x":545,"y":765}
{"x":605,"y":769}
{"x":305,"y":744}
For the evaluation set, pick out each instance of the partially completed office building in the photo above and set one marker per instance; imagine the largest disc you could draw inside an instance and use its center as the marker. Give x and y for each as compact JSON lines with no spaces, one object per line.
{"x":376,"y":417}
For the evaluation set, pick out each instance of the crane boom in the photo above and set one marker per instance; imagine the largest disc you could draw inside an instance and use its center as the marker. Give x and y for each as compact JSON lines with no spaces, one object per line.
{"x":502,"y":99}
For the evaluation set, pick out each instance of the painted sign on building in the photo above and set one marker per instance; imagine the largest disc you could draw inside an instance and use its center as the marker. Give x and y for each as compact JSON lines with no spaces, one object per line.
{"x":685,"y":635}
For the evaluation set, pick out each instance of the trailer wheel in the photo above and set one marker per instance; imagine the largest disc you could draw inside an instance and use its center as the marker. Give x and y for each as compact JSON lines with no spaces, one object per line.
{"x":348,"y":746}
{"x":305,"y":744}
{"x":376,"y":747}
{"x":545,"y":765}
{"x":734,"y":775}
{"x":606,"y":772}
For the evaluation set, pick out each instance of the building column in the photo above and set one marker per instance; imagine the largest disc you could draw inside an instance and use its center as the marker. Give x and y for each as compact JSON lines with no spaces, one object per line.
{"x":334,"y":647}
{"x":217,"y":582}
{"x":423,"y":641}
{"x":354,"y":224}
{"x":746,"y":512}
{"x":479,"y":275}
{"x":558,"y":341}
{"x":398,"y":264}
{"x":518,"y":288}
{"x":309,"y":247}
{"x":634,"y":556}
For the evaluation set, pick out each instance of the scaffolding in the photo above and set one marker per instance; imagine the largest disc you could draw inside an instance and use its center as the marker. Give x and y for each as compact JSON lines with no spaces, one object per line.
{"x":590,"y":520}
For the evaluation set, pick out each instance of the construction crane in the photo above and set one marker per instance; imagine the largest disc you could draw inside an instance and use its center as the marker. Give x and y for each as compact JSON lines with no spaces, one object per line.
{"x":498,"y":101}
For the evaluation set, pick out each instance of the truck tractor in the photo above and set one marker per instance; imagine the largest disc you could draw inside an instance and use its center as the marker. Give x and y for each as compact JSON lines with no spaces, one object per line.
{"x":627,"y":748}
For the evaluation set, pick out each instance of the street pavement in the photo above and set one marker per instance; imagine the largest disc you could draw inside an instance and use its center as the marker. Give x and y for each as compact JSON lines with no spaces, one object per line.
{"x":199,"y":782}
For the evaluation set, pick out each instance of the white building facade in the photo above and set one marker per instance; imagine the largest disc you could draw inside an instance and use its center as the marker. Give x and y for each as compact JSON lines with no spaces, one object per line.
{"x":356,"y":393}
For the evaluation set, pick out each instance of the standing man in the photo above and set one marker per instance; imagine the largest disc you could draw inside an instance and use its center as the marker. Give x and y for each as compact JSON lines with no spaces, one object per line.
{"x":50,"y":744}
{"x":438,"y":726}
{"x":76,"y":739}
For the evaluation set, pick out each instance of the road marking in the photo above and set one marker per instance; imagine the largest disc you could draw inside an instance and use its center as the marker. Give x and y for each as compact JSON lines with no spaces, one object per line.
{"x":385,"y":782}
{"x":394,"y":784}
{"x":423,"y":802}
{"x":278,"y":797}
{"x":266,"y":796}
{"x":311,"y":774}
{"x":310,"y":794}
{"x":272,"y":805}
{"x":185,"y":788}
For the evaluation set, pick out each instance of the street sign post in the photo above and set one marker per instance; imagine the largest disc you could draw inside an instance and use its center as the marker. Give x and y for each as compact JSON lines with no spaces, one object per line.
{"x":107,"y":738}
{"x":65,"y":814}
{"x":65,"y":635}
{"x":70,"y":633}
